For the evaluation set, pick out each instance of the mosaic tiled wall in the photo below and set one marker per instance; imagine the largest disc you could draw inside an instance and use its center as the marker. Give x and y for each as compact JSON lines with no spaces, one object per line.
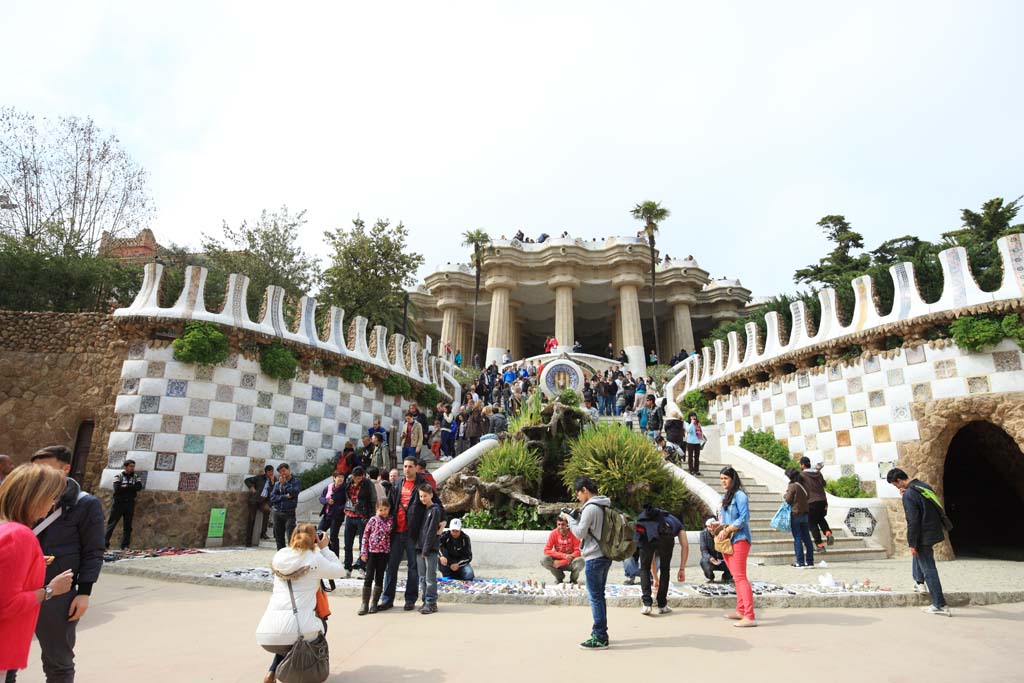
{"x":200,"y":428}
{"x":855,"y":417}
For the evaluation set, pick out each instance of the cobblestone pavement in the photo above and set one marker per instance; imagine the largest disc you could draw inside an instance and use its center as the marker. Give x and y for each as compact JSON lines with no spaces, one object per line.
{"x":164,"y":632}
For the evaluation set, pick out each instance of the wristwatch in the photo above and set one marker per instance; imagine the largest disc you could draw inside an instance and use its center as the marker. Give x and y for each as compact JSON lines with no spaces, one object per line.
{"x":47,"y":593}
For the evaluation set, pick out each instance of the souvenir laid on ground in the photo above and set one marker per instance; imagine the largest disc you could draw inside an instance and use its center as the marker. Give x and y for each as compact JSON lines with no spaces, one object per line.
{"x":117,"y":555}
{"x":250,"y":574}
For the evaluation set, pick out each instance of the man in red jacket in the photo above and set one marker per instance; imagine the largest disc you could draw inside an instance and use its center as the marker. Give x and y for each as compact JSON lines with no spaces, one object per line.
{"x":563,"y":552}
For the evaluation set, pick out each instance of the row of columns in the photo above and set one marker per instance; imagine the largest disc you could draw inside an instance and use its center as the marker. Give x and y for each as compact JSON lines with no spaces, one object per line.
{"x":505,"y":327}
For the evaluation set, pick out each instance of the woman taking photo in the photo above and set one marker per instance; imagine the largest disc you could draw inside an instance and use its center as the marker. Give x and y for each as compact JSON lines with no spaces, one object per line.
{"x":735,"y":517}
{"x":799,"y":521}
{"x":303,"y":563}
{"x":26,"y":497}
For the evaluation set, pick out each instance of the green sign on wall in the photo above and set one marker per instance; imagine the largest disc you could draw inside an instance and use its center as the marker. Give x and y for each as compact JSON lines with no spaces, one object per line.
{"x":216,"y":529}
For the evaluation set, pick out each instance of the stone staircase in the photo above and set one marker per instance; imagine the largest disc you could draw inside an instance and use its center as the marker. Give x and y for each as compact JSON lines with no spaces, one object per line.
{"x":771,"y":547}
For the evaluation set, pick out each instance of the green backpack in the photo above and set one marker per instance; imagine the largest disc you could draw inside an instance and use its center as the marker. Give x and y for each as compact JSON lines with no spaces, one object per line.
{"x":617,"y":530}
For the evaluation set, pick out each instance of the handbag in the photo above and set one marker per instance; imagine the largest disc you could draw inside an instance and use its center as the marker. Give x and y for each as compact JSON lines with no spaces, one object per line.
{"x":781,"y":520}
{"x":309,"y":660}
{"x":724,"y":545}
{"x":323,"y":608}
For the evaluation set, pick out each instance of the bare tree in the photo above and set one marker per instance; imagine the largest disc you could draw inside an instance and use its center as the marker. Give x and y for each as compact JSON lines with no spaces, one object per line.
{"x":66,"y":183}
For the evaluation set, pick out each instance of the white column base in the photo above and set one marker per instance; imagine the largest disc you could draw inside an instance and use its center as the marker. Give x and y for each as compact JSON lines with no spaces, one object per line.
{"x":494,"y":353}
{"x":637,"y":361}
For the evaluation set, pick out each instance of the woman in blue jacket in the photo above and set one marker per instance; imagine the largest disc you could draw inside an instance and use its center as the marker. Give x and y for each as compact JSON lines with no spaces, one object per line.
{"x":735,"y":518}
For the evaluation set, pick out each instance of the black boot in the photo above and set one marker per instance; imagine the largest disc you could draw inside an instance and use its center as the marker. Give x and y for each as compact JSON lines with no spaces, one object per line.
{"x":365,"y":606}
{"x":374,"y":599}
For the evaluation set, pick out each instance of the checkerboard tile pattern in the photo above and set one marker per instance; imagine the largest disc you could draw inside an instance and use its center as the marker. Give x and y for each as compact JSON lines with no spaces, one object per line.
{"x":196,"y":428}
{"x":854,"y":417}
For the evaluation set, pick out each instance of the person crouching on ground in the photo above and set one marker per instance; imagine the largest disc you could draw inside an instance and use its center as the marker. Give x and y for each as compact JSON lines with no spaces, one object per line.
{"x":711,"y":560}
{"x":562,"y":552}
{"x":427,"y":548}
{"x":300,"y":567}
{"x":374,"y":552}
{"x":456,"y":552}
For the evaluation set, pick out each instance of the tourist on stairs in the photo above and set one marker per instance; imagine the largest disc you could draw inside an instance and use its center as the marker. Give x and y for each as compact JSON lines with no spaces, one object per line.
{"x":796,"y":496}
{"x":817,"y":501}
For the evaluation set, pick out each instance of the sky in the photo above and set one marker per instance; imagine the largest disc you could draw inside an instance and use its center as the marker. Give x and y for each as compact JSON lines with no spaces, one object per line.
{"x":748,"y":120}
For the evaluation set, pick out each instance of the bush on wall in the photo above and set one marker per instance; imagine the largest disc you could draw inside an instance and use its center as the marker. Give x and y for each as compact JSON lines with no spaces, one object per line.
{"x":976,"y":332}
{"x":278,"y":362}
{"x":767,"y":446}
{"x":570,"y":398}
{"x":353,"y":374}
{"x":511,"y":458}
{"x":201,"y":343}
{"x":396,"y":385}
{"x":846,"y":487}
{"x":428,"y":396}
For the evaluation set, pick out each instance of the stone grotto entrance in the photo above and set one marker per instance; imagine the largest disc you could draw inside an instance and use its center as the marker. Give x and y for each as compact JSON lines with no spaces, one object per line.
{"x":984,"y":492}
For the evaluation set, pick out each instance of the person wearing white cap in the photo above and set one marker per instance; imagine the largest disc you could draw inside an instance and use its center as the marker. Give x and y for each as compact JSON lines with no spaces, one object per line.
{"x":711,"y":560}
{"x":456,"y":553}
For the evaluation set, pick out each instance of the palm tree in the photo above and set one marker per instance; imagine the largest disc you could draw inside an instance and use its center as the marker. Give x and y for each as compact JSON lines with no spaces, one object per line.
{"x":478,"y":240}
{"x":650,"y":214}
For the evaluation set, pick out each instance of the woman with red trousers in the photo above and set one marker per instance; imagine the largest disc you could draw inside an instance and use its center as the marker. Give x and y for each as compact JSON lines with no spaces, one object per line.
{"x":735,"y":517}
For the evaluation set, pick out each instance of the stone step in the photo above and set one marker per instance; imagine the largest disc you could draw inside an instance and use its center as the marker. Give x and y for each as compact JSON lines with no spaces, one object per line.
{"x":782,"y":557}
{"x":765,"y":541}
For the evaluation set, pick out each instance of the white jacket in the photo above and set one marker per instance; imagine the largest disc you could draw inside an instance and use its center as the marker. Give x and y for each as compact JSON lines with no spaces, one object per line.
{"x":277,"y":627}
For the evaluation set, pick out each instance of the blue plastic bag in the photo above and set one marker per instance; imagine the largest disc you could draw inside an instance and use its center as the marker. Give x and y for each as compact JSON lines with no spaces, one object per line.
{"x":781,"y":520}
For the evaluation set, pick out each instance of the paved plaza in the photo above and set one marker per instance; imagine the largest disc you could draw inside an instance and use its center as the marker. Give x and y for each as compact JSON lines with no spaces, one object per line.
{"x":165,"y":631}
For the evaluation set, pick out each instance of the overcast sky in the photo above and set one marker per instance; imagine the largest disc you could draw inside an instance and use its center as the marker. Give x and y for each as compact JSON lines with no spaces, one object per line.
{"x":749,"y":120}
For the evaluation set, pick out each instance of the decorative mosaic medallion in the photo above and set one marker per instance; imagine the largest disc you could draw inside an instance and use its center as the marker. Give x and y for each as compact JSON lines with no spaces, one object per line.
{"x":559,"y":375}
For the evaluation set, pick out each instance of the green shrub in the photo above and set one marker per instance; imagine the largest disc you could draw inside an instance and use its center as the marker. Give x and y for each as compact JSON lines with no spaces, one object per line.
{"x":512,"y":458}
{"x":846,"y":487}
{"x":976,"y":332}
{"x":315,"y":475}
{"x":515,"y":517}
{"x":353,"y":374}
{"x":429,"y":396}
{"x":570,"y":398}
{"x":695,"y":402}
{"x":278,"y":362}
{"x":767,"y":446}
{"x":202,"y":343}
{"x":529,"y":414}
{"x":396,"y":385}
{"x":626,"y":467}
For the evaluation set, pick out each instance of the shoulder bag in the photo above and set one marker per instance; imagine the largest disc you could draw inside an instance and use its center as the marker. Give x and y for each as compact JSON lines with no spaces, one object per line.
{"x":307,"y":661}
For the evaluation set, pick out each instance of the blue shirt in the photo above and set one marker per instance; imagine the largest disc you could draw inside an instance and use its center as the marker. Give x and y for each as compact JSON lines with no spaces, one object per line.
{"x":738,"y":515}
{"x":508,"y":376}
{"x":691,"y":433}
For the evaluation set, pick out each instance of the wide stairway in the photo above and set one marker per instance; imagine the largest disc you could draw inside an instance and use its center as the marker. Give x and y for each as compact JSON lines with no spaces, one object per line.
{"x":771,"y":547}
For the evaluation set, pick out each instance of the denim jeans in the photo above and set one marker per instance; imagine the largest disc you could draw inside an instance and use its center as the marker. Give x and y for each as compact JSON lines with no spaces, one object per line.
{"x":409,"y":452}
{"x":597,"y":577}
{"x":463,"y":573}
{"x":284,"y":525}
{"x":924,"y":570}
{"x":353,"y":527}
{"x":662,"y":549}
{"x":800,"y":526}
{"x":427,"y":568}
{"x":402,"y":547}
{"x":332,"y":526}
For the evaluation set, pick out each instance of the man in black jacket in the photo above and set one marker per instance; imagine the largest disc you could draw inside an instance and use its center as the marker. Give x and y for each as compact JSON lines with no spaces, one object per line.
{"x":456,"y":553}
{"x":711,"y":560}
{"x":284,"y":498}
{"x":75,"y":539}
{"x":260,"y":486}
{"x":926,"y":524}
{"x":408,"y":513}
{"x":358,"y":509}
{"x":127,"y":485}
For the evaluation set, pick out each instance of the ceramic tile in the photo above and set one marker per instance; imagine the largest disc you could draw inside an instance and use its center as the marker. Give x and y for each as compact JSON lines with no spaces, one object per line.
{"x":220,"y":428}
{"x":171,"y":424}
{"x":881,"y":433}
{"x":137,"y":351}
{"x":225,"y":393}
{"x":248,"y":380}
{"x":794,"y":429}
{"x":277,"y":451}
{"x":310,"y":455}
{"x":115,"y":459}
{"x":915,"y":354}
{"x":199,"y":407}
{"x":243,"y":413}
{"x":215,"y":463}
{"x":842,"y":437}
{"x":854,"y":385}
{"x":825,"y":424}
{"x":295,"y":439}
{"x":922,"y":391}
{"x":264,"y":399}
{"x":130,"y":386}
{"x":894,"y":377}
{"x":871,"y":365}
{"x":280,"y":419}
{"x":332,"y":383}
{"x":975,"y":385}
{"x":876,"y":399}
{"x":124,"y":423}
{"x":299,"y":407}
{"x":791,"y":398}
{"x":177,"y":387}
{"x":835,"y":372}
{"x":1006,"y":361}
{"x":858,"y":418}
{"x":839,"y":404}
{"x":194,"y":443}
{"x":318,"y":394}
{"x":256,"y":465}
{"x":901,"y":412}
{"x":313,"y":425}
{"x":156,"y":369}
{"x":149,"y":405}
{"x":328,"y":412}
{"x":204,"y":373}
{"x":261,"y":432}
{"x":231,"y":361}
{"x":326,"y":441}
{"x":188,"y":481}
{"x":143,"y":442}
{"x":944,"y":369}
{"x":239,"y":447}
{"x":284,"y":387}
{"x":165,"y":462}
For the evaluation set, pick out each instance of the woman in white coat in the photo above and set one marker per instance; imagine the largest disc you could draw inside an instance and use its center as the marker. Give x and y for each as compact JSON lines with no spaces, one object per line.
{"x":304,"y":562}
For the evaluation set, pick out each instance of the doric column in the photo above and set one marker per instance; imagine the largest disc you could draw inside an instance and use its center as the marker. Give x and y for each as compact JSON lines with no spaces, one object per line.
{"x":629,"y":312}
{"x":517,"y":337}
{"x":683,"y":326}
{"x":500,"y":330}
{"x":463,"y":345}
{"x":616,"y":327}
{"x":449,"y":326}
{"x":564,"y":285}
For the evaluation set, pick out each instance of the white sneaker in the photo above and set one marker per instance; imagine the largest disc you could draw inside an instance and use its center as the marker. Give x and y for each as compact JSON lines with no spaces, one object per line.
{"x":939,"y":611}
{"x":664,"y":610}
{"x":921,"y":588}
{"x":646,"y":609}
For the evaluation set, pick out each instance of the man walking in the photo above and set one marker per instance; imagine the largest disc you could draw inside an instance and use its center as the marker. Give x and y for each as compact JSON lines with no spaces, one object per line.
{"x":926,"y":523}
{"x":260,"y":486}
{"x":656,"y":532}
{"x":73,"y":534}
{"x":284,"y":498}
{"x":817,"y":501}
{"x":588,"y":529}
{"x":127,"y":485}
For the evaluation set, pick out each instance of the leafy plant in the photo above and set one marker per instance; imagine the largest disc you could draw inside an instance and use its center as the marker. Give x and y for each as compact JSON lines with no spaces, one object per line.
{"x":278,"y":362}
{"x":512,"y":458}
{"x":201,"y":343}
{"x":846,"y":487}
{"x":695,"y":401}
{"x":626,"y":467}
{"x":428,"y":396}
{"x":529,"y":414}
{"x":353,"y":374}
{"x":316,"y":474}
{"x":570,"y":398}
{"x":512,"y":517}
{"x":974,"y":333}
{"x":396,"y":385}
{"x":767,"y":446}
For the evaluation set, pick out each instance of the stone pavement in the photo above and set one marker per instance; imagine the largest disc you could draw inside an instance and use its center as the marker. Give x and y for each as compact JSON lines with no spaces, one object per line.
{"x":164,"y":632}
{"x":966,"y":581}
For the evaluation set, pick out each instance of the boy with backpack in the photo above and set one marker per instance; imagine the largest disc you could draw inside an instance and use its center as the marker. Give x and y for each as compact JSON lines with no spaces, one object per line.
{"x":605,"y":535}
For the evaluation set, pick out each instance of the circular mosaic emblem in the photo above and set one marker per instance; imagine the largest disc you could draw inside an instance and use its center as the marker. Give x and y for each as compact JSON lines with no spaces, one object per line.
{"x":559,"y":375}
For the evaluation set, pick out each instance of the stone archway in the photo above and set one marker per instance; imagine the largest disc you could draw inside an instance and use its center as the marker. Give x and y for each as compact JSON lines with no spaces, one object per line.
{"x":939,"y":421}
{"x":984,"y":488}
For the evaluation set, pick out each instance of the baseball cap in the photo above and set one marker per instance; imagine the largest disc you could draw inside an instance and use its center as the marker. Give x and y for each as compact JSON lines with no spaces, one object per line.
{"x":455,"y":524}
{"x":711,"y":521}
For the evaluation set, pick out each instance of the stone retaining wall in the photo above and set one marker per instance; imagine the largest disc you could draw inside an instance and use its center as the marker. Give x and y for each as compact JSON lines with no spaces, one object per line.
{"x":172,"y":518}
